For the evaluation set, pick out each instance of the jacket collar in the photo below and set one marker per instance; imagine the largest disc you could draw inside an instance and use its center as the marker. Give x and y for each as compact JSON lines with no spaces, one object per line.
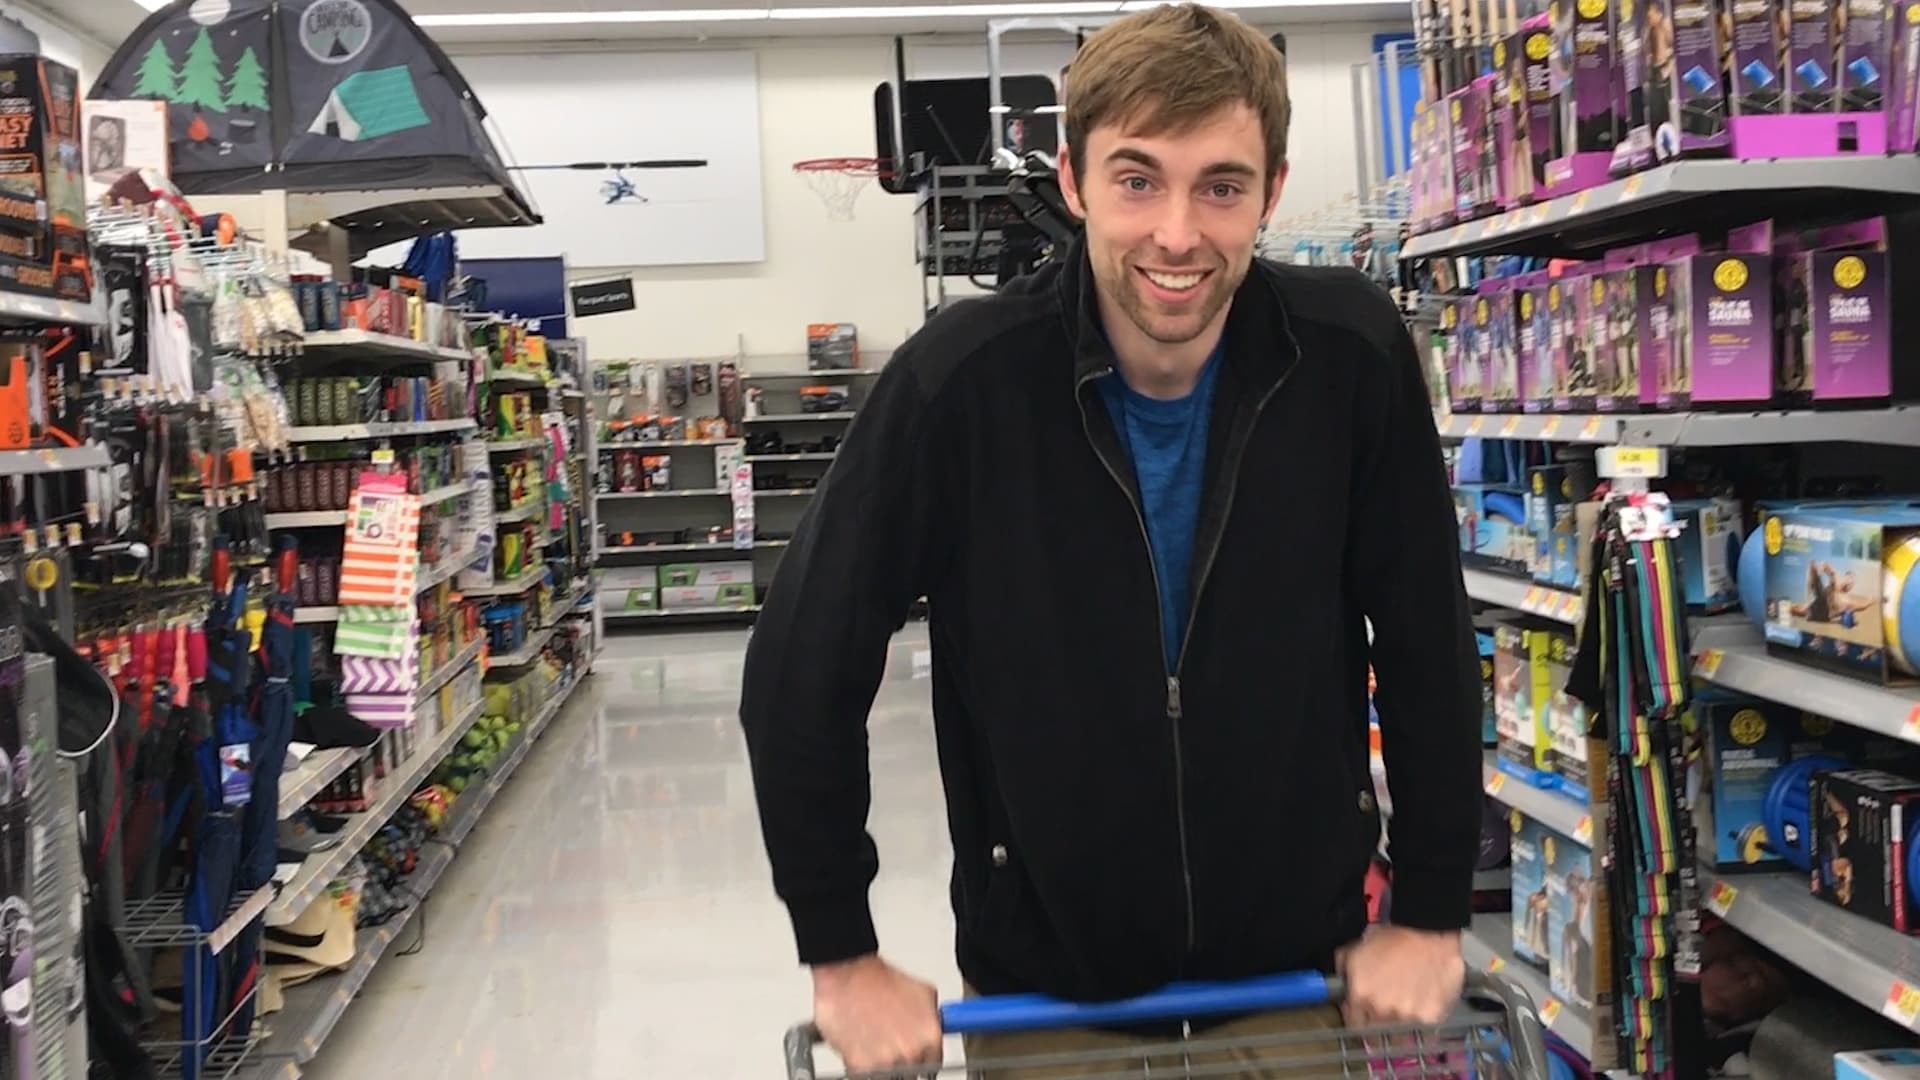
{"x":1261,"y":346}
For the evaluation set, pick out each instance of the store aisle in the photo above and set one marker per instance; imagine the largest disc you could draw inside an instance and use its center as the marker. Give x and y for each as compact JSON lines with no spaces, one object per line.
{"x":612,"y":914}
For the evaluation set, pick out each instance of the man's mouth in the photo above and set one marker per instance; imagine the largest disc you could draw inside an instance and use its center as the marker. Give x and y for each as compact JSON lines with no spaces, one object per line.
{"x":1174,"y":283}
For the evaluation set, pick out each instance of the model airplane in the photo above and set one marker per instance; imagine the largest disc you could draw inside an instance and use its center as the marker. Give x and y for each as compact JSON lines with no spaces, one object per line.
{"x":617,"y":188}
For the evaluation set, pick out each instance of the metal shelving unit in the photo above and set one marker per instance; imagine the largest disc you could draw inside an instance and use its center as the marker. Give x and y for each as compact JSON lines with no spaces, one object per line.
{"x":16,"y":308}
{"x":1503,"y":590}
{"x":365,"y":343}
{"x":799,"y":417}
{"x":1732,"y":655}
{"x":1553,"y":809}
{"x":358,"y":432}
{"x":1898,"y":426}
{"x":57,"y":459}
{"x":1488,"y":945}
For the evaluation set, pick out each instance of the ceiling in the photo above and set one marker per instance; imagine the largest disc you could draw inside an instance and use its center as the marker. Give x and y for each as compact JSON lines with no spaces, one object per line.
{"x":521,"y":21}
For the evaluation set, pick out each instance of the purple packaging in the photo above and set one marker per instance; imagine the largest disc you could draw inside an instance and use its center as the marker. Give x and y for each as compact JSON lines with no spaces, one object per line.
{"x":1903,"y":88}
{"x":1754,"y":82}
{"x":1463,"y":384}
{"x":1570,"y":302}
{"x":1723,"y":328}
{"x":1535,"y":141}
{"x":1501,"y":392}
{"x":1864,"y":55}
{"x":1584,"y":29}
{"x":1808,"y":67}
{"x":1591,"y":310}
{"x":1617,"y":376}
{"x":1472,"y":149}
{"x":1479,"y":350}
{"x":1510,"y":181}
{"x":1659,"y":375}
{"x":1536,"y":342}
{"x":1633,"y":149}
{"x":1686,"y":89}
{"x":1852,"y":341}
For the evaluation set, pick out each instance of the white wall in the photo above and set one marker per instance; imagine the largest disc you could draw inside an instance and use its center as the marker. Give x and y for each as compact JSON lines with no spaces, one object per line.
{"x":816,"y":100}
{"x":59,"y":41}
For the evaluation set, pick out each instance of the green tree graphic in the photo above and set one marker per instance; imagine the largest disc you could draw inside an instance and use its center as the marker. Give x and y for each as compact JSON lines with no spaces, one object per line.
{"x":247,"y":89}
{"x":157,"y":79}
{"x":200,"y":77}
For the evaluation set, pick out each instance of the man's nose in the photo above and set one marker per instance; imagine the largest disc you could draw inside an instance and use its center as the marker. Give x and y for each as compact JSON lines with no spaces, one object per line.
{"x":1177,"y":232}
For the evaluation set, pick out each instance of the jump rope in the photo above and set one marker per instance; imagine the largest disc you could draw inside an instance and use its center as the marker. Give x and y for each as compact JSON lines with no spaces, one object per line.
{"x":1633,"y":671}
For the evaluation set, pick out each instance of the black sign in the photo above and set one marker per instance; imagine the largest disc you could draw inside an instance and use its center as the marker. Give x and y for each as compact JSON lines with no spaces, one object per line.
{"x":602,"y":297}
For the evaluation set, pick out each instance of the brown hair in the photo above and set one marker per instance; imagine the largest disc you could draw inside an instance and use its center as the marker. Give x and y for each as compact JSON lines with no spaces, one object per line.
{"x":1170,"y":67}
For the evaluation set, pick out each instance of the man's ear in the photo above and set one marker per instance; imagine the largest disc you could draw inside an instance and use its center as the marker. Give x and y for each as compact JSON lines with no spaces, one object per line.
{"x":1273,"y":196}
{"x":1070,"y":182}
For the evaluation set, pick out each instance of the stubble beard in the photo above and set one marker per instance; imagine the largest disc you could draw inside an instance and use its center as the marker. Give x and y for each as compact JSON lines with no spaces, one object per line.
{"x":1126,"y":291}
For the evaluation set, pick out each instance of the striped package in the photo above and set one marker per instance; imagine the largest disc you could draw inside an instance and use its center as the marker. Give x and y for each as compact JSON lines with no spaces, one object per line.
{"x":381,"y":557}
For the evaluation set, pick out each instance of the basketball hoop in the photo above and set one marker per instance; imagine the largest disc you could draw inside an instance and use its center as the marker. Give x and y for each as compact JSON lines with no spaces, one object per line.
{"x":838,"y":181}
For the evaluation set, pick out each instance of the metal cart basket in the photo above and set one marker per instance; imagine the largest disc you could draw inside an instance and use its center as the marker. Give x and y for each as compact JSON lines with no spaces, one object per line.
{"x":1494,"y":1035}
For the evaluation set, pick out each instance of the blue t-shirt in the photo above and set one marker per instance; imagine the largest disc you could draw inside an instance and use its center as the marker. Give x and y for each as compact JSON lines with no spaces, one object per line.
{"x":1167,"y":441}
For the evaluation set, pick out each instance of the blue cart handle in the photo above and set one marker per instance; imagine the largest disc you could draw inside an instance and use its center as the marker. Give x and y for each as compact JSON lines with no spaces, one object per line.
{"x":1033,"y":1012}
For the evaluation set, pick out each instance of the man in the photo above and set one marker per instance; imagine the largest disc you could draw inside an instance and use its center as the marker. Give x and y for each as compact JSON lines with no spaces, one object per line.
{"x":1153,"y":493}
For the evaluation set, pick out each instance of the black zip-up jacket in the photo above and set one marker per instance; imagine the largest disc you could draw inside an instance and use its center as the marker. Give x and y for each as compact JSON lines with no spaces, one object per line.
{"x":1117,"y":825}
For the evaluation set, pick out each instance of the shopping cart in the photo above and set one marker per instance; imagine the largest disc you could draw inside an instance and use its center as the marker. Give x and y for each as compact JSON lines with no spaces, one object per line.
{"x":1494,"y":1035}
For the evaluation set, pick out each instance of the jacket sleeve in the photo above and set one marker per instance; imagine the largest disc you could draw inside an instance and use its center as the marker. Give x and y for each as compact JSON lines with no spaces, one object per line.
{"x":854,"y":568}
{"x":1407,"y":573}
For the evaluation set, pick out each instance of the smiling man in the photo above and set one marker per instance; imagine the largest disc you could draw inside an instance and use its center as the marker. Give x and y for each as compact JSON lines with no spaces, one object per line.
{"x":1155,"y":494}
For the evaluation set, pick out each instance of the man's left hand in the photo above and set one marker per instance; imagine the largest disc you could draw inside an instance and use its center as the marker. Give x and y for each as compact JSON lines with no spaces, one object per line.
{"x":1397,"y":975}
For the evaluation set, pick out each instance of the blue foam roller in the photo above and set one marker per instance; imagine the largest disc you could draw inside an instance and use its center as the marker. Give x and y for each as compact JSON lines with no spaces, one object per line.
{"x":1788,"y":808}
{"x":1900,"y":603}
{"x":1505,"y":504}
{"x":1751,"y":575}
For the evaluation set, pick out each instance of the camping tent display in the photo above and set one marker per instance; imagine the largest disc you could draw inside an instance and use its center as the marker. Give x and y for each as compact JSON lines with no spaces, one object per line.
{"x":315,"y":97}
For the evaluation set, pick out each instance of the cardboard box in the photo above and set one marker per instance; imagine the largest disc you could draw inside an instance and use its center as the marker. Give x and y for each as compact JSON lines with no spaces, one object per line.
{"x":1468,"y":110}
{"x":1547,"y":503}
{"x":1520,"y":695}
{"x":1480,"y":362}
{"x":1618,"y":376}
{"x":832,"y":346}
{"x":1536,"y":341}
{"x":1709,"y":551}
{"x":1563,"y":718}
{"x":1865,"y":55}
{"x":1897,"y":1064}
{"x":1903,"y":85}
{"x":1850,"y":349}
{"x":1688,"y":93}
{"x":1634,"y":149}
{"x":1812,"y":82}
{"x":1583,"y":39}
{"x":1493,"y":522}
{"x":1463,"y":381}
{"x":1531,"y":938}
{"x":1860,"y":820}
{"x":1824,"y":586}
{"x":1578,"y":380}
{"x":1747,"y":740}
{"x":675,"y":575}
{"x":1571,"y":966}
{"x":1722,"y":341}
{"x":1755,"y":82}
{"x":1502,"y":390}
{"x":43,"y":213}
{"x":1531,"y":59}
{"x":733,"y":594}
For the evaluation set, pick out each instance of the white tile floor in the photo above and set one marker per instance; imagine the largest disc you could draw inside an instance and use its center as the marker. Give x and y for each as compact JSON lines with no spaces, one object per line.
{"x":612,"y":915}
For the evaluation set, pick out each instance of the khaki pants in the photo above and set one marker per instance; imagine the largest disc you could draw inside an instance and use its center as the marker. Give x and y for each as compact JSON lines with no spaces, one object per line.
{"x":1258,"y":1062}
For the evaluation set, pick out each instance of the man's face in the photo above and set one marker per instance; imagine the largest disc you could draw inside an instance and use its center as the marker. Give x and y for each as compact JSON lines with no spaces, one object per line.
{"x":1171,"y":219}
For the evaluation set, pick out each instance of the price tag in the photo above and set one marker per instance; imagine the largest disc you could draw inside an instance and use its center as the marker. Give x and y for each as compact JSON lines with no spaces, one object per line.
{"x":1458,"y":234}
{"x":1903,"y":1004}
{"x":1532,"y":601}
{"x":1591,"y":429}
{"x":50,"y":459}
{"x":1512,"y":425}
{"x":1911,"y":730}
{"x":1540,"y":213}
{"x":1707,"y":665}
{"x":1495,"y":782}
{"x":1478,"y":422}
{"x":1632,"y":187}
{"x":1721,"y":899}
{"x":1551,"y":428}
{"x":1550,"y":1011}
{"x":1580,"y":202}
{"x":1637,"y":457}
{"x":1570,"y":607}
{"x":1495,"y":963}
{"x":1583,"y":829}
{"x":383,"y":456}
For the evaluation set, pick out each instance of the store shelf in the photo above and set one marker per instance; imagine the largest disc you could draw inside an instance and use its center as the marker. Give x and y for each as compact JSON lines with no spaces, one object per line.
{"x":367,"y":343}
{"x":1488,"y":945}
{"x":445,"y":672}
{"x":1552,"y":809}
{"x":315,"y":519}
{"x":749,"y":609}
{"x":316,"y":771}
{"x":527,"y":653}
{"x":511,"y":377}
{"x":519,"y":513}
{"x":442,"y":494}
{"x":830,"y":373}
{"x":314,"y":1009}
{"x":669,"y":444}
{"x":1893,"y":426}
{"x":21,"y":308}
{"x":797,"y":418}
{"x":687,"y":493}
{"x":1701,"y":195}
{"x":56,"y":459}
{"x":669,"y":549}
{"x":1514,"y":592}
{"x":161,"y":920}
{"x":1731,"y":654}
{"x":427,"y":577}
{"x":512,"y":587}
{"x":319,"y":614}
{"x":507,"y":446}
{"x":352,"y":432}
{"x":757,"y":458}
{"x":322,"y":867}
{"x":778,"y":493}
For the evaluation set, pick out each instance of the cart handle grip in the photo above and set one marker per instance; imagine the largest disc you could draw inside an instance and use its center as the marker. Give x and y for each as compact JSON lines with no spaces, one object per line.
{"x":1032,"y":1012}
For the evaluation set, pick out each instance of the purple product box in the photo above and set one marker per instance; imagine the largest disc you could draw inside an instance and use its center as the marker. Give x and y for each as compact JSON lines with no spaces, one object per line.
{"x":1852,"y":355}
{"x":1584,"y":33}
{"x":1904,"y":77}
{"x":1463,"y":385}
{"x":1440,"y":162}
{"x":1501,"y":394}
{"x":1812,"y":81}
{"x":1686,"y":89}
{"x":1634,"y":149}
{"x":1595,"y":342}
{"x":1662,"y":384}
{"x":1864,"y":56}
{"x":1565,"y":335}
{"x":1755,"y":81}
{"x":1536,"y":342}
{"x":1617,"y":297}
{"x":1537,"y":142}
{"x":1573,"y":357}
{"x":1471,"y":149}
{"x":1507,"y":111}
{"x":1723,"y":328}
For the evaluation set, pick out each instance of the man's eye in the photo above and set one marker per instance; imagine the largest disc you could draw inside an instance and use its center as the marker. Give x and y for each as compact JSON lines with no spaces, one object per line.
{"x":1225,"y":191}
{"x":1135,"y":183}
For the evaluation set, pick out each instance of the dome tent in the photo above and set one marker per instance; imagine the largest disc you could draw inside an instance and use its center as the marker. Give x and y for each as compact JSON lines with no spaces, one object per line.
{"x":344,"y":104}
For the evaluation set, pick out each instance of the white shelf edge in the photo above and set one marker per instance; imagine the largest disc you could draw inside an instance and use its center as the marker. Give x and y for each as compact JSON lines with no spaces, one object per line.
{"x":53,"y":459}
{"x":1731,"y":654}
{"x":383,"y":344}
{"x":507,"y":446}
{"x":519,"y":513}
{"x":1505,"y":590}
{"x":1488,"y":946}
{"x":798,"y":418}
{"x":527,"y":653}
{"x":320,"y":768}
{"x":781,"y":493}
{"x":748,"y":609}
{"x":446,"y":672}
{"x":671,"y":494}
{"x":357,"y":432}
{"x":527,"y":580}
{"x":1552,"y":809}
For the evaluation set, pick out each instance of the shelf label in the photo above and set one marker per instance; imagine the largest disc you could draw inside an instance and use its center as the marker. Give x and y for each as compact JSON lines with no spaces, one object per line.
{"x":1721,"y":899}
{"x":1540,"y":213}
{"x":1708,"y":665}
{"x":1632,"y":187}
{"x":1570,"y":607}
{"x":1512,"y":425}
{"x":1583,"y":829}
{"x":1581,"y":200}
{"x":1591,"y":429}
{"x":1458,"y":234}
{"x":1494,"y":963}
{"x":1550,"y":1011}
{"x":1531,"y":602}
{"x":1902,"y":1005}
{"x":1495,"y":782}
{"x":1911,"y":730}
{"x":1477,"y":423}
{"x":1551,"y":428}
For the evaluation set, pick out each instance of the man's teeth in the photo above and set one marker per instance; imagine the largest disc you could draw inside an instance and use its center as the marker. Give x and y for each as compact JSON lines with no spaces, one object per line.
{"x":1174,"y":281}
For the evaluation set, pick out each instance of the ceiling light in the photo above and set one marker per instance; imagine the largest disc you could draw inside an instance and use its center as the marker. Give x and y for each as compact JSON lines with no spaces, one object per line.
{"x":947,"y":11}
{"x":578,"y":18}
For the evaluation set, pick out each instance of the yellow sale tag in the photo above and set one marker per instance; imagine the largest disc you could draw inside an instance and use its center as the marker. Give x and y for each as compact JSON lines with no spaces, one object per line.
{"x":1637,"y":457}
{"x":1550,"y":1011}
{"x":1632,"y":187}
{"x":1494,"y":963}
{"x":1709,"y":663}
{"x":1583,"y":829}
{"x":1477,"y":423}
{"x":1721,"y":899}
{"x":1540,"y":214}
{"x":1512,"y":425}
{"x":1903,"y":1004}
{"x":383,"y":456}
{"x":1551,"y":428}
{"x":1458,"y":234}
{"x":1580,"y":202}
{"x":1591,"y":428}
{"x":1496,"y":782}
{"x":1570,"y":607}
{"x":1911,"y":732}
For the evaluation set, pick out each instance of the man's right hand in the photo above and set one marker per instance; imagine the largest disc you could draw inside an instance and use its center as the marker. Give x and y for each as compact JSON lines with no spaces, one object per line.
{"x":876,"y":1016}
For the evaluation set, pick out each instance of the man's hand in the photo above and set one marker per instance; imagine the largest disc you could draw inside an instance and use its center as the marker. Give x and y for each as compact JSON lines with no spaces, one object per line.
{"x":876,"y":1016}
{"x":1397,"y":975}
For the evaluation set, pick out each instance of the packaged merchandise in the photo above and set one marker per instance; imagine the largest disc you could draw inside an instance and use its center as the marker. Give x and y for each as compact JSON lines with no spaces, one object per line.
{"x":1519,"y":704}
{"x":1894,"y":1064}
{"x":680,"y":575}
{"x":1531,"y":942}
{"x":1827,"y":569}
{"x":1507,"y":120}
{"x":1564,"y":717}
{"x":1812,"y":82}
{"x":1536,"y":341}
{"x":1480,"y":346}
{"x":1708,"y":551}
{"x":1848,"y":349}
{"x":1547,"y":506}
{"x":1483,"y":640}
{"x":733,"y":594}
{"x":1755,"y":82}
{"x":1493,"y":527}
{"x":1860,"y":823}
{"x":43,"y":211}
{"x":1472,"y":151}
{"x":1747,"y":740}
{"x":832,"y":346}
{"x":1502,"y":390}
{"x":1530,"y":60}
{"x":1865,"y":53}
{"x":1655,"y":315}
{"x":1903,"y":84}
{"x":1584,"y":74}
{"x":1570,"y":923}
{"x":1722,"y":345}
{"x":1577,"y":382}
{"x":1563,"y":349}
{"x":1633,"y":149}
{"x":1687,"y":100}
{"x":1463,"y":383}
{"x":1617,"y":297}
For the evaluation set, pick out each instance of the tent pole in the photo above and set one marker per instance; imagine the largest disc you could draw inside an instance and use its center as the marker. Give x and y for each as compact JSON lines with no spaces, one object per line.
{"x":274,"y":227}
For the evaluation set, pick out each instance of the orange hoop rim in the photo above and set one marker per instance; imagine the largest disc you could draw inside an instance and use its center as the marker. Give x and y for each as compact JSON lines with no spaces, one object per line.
{"x":858,"y":166}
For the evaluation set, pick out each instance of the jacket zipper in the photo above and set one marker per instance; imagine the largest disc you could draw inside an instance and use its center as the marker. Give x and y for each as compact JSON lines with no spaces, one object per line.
{"x":1174,"y":711}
